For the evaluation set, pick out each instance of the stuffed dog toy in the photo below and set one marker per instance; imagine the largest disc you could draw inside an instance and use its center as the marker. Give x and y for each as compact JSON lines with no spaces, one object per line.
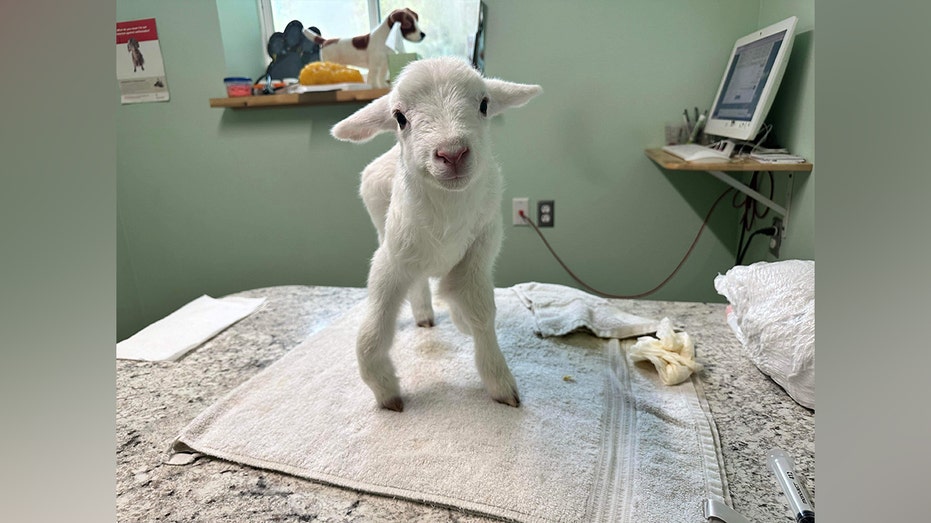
{"x":369,"y":50}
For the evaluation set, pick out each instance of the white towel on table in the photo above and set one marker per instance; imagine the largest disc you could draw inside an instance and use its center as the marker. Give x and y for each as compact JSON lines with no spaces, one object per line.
{"x":559,"y":310}
{"x":612,"y":444}
{"x":181,"y":331}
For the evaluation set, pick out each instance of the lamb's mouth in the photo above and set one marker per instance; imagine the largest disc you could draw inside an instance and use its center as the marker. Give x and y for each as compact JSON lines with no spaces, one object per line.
{"x":453,"y":180}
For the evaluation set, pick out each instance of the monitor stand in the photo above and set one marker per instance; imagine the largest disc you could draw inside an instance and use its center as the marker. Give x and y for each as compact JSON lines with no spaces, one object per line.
{"x":724,"y":146}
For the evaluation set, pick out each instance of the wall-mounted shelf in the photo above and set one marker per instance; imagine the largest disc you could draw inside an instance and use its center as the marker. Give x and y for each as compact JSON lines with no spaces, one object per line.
{"x":674,"y":163}
{"x":295,"y":99}
{"x":719,"y":168}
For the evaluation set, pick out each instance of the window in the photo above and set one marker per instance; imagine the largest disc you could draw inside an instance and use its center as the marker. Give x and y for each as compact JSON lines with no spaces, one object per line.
{"x":450,"y":25}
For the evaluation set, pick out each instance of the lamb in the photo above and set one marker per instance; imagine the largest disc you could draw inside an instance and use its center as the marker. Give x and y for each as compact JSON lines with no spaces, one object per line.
{"x":435,"y":201}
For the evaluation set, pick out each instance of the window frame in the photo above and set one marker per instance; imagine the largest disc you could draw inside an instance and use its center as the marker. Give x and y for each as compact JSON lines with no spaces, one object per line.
{"x":474,"y":41}
{"x":267,"y":22}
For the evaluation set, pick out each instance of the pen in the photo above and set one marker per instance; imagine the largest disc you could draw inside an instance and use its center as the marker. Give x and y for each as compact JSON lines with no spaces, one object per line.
{"x":696,"y":114}
{"x":699,"y":123}
{"x":784,"y":469}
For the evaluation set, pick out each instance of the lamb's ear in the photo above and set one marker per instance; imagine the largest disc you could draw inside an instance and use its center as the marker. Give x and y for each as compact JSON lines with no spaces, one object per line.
{"x":366,"y":123}
{"x":503,"y":95}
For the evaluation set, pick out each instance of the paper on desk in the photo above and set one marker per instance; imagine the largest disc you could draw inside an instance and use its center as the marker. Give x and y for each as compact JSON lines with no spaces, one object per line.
{"x":186,"y":328}
{"x":776,"y":158}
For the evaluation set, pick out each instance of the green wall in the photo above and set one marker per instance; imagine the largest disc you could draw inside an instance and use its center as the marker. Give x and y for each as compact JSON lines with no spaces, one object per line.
{"x":214,"y":201}
{"x":793,"y":116}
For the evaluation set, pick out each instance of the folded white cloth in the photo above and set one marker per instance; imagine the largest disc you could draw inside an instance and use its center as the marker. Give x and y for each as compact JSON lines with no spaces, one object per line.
{"x":671,"y":352}
{"x":186,"y":328}
{"x":559,"y":310}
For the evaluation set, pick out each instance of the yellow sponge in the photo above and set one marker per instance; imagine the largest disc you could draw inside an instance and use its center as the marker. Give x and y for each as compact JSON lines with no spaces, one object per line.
{"x":318,"y":73}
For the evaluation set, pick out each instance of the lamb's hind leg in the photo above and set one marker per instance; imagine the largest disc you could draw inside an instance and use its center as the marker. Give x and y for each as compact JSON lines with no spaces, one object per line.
{"x":422,"y":303}
{"x":386,"y":290}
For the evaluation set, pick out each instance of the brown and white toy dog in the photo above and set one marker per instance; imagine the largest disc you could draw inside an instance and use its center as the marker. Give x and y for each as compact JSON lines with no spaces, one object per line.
{"x":133,"y":47}
{"x":369,"y":50}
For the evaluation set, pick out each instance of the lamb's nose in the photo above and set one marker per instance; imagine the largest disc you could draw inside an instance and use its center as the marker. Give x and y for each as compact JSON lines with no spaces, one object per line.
{"x":453,"y":158}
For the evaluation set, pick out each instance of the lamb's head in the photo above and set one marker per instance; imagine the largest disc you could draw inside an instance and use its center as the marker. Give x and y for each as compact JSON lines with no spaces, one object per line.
{"x":439,"y":109}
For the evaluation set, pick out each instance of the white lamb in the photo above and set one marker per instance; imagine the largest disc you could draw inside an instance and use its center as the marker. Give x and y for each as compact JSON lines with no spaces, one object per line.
{"x":435,"y":199}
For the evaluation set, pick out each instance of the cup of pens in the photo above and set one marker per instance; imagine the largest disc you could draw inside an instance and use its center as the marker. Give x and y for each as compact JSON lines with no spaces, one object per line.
{"x":676,"y":133}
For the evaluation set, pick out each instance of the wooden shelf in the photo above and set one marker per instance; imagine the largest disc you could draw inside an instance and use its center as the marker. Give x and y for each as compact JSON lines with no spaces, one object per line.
{"x":719,"y":168}
{"x":294,"y":99}
{"x":674,"y":163}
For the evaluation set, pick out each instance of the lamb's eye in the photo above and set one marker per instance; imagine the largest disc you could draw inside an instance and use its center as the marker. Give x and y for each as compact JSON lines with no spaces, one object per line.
{"x":483,"y":107}
{"x":402,"y":120}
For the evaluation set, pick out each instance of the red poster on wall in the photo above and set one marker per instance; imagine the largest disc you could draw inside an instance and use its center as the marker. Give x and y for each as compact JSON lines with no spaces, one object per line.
{"x":139,"y":66}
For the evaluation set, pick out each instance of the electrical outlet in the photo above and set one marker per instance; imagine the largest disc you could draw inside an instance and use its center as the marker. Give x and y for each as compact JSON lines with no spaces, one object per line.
{"x":776,"y":241}
{"x":518,"y":205}
{"x":546,"y":213}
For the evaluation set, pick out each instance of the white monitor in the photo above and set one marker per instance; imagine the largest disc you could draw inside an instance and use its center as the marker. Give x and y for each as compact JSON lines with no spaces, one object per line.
{"x":750,"y":82}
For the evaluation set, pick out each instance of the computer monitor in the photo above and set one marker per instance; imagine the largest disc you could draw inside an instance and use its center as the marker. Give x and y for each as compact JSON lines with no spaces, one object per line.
{"x":750,"y":82}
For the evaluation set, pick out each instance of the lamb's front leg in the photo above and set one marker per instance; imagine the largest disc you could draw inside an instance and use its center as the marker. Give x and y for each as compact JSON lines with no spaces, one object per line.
{"x":386,"y":289}
{"x":470,"y":292}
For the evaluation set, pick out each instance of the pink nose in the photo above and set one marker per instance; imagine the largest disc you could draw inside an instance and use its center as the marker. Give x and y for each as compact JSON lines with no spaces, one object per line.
{"x":453,"y":158}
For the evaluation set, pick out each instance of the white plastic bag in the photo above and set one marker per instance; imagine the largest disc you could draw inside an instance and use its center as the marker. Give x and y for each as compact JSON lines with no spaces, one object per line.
{"x":774,"y":308}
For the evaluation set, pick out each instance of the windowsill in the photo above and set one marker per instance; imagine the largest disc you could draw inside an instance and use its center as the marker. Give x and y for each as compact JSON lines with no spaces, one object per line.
{"x":295,"y":99}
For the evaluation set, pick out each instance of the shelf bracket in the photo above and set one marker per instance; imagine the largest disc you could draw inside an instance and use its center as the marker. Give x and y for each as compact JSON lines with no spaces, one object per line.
{"x":718,"y":169}
{"x":782,"y":211}
{"x":778,"y":209}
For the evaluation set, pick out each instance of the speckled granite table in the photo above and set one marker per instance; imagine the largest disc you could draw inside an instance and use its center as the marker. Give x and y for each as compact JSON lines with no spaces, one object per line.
{"x":154,"y":401}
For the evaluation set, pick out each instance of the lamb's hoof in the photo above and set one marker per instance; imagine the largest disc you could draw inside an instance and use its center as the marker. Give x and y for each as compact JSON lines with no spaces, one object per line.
{"x":427,"y":323}
{"x":395,"y":404}
{"x":513,"y":401}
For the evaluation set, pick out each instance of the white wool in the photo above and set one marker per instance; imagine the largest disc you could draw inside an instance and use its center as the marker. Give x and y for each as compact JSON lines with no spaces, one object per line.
{"x":435,"y":199}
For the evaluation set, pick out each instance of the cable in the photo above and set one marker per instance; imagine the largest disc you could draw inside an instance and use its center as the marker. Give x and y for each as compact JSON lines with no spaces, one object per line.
{"x":631,"y":296}
{"x":754,"y":144}
{"x":767,"y":128}
{"x":752,"y":209}
{"x":768,"y":231}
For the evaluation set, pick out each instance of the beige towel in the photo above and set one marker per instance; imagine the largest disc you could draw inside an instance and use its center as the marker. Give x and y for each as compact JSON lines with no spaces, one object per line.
{"x":595,"y":438}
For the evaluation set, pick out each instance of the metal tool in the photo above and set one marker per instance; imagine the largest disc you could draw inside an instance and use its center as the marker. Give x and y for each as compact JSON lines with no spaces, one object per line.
{"x":720,"y":511}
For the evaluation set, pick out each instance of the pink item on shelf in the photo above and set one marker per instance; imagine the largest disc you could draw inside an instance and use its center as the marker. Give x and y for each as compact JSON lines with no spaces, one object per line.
{"x":238,"y":86}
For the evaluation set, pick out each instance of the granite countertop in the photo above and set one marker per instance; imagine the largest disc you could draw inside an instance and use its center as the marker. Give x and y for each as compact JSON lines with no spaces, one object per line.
{"x":155,"y":400}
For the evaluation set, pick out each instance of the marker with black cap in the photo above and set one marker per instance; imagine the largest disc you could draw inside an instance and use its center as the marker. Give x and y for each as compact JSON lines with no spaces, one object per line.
{"x":783,"y":467}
